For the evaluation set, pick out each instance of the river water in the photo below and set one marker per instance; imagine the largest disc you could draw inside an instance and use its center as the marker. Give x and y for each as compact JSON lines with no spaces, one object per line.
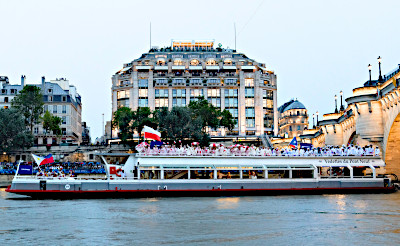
{"x":271,"y":220}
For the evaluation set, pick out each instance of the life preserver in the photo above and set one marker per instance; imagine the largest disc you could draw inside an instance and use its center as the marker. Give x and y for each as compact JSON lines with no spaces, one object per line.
{"x":117,"y":172}
{"x":67,"y":186}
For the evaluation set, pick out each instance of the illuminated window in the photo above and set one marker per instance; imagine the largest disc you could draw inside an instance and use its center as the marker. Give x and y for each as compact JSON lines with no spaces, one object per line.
{"x":142,"y":92}
{"x":178,"y":62}
{"x":249,"y":102}
{"x":196,"y":92}
{"x":268,"y":103}
{"x":211,"y":62}
{"x":249,"y":82}
{"x":122,"y":94}
{"x":194,"y":62}
{"x":161,"y":102}
{"x":213,"y":92}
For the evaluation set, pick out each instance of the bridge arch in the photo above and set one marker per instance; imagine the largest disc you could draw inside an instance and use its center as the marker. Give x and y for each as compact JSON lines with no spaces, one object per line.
{"x":391,"y":141}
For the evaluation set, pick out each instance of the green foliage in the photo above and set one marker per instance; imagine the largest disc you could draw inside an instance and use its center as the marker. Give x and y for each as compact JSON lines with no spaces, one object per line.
{"x":209,"y":115}
{"x":29,"y":102}
{"x":51,"y":123}
{"x":227,"y":120}
{"x":13,"y":132}
{"x":122,"y":120}
{"x":178,"y":124}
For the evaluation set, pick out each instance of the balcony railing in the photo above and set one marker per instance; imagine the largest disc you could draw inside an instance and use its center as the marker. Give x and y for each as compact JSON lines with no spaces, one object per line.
{"x":213,"y":82}
{"x":176,"y":82}
{"x":198,"y":82}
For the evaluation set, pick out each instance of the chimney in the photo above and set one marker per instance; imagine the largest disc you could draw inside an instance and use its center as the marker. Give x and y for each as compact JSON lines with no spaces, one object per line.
{"x":23,"y":80}
{"x":43,"y":78}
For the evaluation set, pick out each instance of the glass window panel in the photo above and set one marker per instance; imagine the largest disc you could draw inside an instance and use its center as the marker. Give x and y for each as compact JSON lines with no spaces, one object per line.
{"x":249,"y":102}
{"x":249,"y":82}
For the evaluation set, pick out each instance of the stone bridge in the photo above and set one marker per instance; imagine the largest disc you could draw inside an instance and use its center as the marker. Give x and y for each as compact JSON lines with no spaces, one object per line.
{"x":371,"y":117}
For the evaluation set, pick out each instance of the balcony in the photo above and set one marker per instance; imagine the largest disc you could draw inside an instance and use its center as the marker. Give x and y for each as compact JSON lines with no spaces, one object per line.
{"x":178,"y":82}
{"x":160,"y":74}
{"x":230,"y":82}
{"x":213,"y":82}
{"x":161,"y":82}
{"x":196,"y":82}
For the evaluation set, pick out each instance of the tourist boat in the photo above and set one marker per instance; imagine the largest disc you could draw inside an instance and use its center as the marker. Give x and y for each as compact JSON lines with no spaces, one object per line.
{"x":135,"y":175}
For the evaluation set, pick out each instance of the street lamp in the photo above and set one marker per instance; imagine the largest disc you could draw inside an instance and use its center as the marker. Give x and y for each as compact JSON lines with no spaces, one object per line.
{"x":341,"y":101}
{"x":369,"y":68}
{"x":380,"y":74}
{"x":336,"y":111}
{"x":313,"y":123}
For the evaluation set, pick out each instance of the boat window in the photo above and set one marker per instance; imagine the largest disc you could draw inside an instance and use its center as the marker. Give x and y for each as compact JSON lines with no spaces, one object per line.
{"x":116,"y":160}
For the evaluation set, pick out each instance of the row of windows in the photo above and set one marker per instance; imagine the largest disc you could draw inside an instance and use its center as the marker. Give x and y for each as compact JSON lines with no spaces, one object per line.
{"x":249,"y":92}
{"x":12,"y":91}
{"x":56,"y":109}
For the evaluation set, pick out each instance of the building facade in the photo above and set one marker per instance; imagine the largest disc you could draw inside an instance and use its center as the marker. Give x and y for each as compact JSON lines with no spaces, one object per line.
{"x":61,"y":99}
{"x":176,"y":75}
{"x":293,"y":119}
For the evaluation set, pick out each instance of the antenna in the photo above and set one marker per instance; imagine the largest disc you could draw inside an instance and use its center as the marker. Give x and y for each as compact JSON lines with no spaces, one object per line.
{"x":150,"y":35}
{"x":234,"y":26}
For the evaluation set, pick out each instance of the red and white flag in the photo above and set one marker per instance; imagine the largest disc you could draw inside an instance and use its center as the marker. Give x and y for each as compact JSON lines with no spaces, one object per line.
{"x":150,"y":133}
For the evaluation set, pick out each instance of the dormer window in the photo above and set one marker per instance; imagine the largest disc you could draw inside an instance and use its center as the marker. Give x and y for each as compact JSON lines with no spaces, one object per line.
{"x":3,"y":91}
{"x":50,"y":91}
{"x":178,"y":62}
{"x":50,"y":98}
{"x":194,"y":62}
{"x":211,"y":62}
{"x":64,"y":98}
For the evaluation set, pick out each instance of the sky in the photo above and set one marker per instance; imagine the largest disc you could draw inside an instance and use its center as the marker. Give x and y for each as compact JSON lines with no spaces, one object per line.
{"x":316,"y":48}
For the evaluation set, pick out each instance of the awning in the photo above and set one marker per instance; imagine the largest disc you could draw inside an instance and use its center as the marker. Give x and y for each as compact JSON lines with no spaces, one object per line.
{"x":229,"y":67}
{"x":160,"y":67}
{"x":195,"y":68}
{"x":212,"y":67}
{"x":178,"y":67}
{"x":143,"y":67}
{"x":249,"y":67}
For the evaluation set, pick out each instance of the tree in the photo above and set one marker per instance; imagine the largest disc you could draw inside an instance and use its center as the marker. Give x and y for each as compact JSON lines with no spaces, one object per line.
{"x":51,"y":123}
{"x":13,"y":132}
{"x":122,"y":120}
{"x":178,"y":124}
{"x":209,"y":114}
{"x":29,"y":102}
{"x":143,"y":117}
{"x":227,"y":120}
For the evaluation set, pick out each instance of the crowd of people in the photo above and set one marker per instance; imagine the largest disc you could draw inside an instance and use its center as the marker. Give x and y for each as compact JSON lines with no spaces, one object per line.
{"x":56,"y":169}
{"x":242,"y":150}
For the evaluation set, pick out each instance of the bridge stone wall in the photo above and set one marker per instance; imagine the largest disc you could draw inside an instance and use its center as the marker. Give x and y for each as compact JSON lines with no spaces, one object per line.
{"x":373,"y":115}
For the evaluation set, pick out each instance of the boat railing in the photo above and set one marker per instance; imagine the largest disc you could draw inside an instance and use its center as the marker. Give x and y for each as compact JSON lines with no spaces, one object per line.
{"x":246,"y":155}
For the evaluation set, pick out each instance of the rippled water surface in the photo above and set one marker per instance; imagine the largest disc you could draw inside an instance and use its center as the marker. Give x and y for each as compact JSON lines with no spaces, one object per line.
{"x":275,"y":220}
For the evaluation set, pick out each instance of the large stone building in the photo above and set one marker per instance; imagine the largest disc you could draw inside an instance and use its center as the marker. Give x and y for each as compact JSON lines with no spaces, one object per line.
{"x":293,"y":119}
{"x":176,"y":75}
{"x":61,"y":99}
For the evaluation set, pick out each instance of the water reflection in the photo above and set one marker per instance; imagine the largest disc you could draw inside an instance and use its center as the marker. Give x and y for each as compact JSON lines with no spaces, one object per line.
{"x":273,"y":220}
{"x":228,"y":202}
